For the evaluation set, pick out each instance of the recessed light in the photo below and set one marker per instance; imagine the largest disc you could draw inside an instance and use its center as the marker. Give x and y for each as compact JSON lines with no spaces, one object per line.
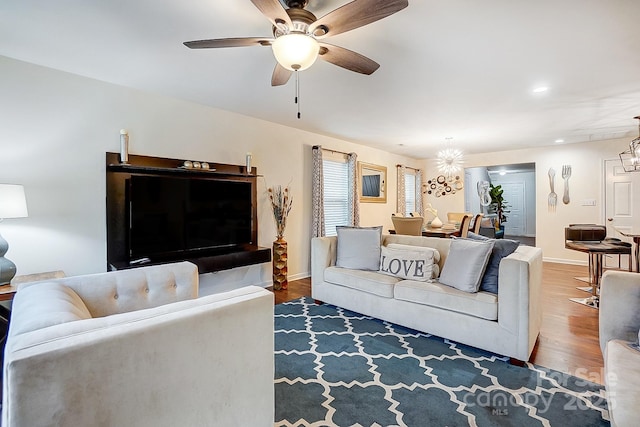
{"x":503,"y":173}
{"x":559,"y":141}
{"x":540,"y":89}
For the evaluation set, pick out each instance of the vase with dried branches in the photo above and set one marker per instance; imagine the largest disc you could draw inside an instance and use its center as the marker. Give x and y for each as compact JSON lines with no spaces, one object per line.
{"x":281,"y":201}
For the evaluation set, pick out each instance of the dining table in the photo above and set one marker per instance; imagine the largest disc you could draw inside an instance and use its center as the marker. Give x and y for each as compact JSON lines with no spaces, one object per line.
{"x":429,"y":231}
{"x":634,"y":233}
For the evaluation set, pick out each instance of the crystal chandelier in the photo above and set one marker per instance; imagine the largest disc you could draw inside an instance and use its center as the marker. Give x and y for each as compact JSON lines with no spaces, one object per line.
{"x":449,"y":159}
{"x":631,"y":158}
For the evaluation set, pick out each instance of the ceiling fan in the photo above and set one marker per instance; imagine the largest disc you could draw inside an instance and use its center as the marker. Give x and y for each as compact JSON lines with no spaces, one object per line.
{"x":298,"y":36}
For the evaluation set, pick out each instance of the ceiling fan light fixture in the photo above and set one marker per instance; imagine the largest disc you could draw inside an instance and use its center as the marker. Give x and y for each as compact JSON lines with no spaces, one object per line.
{"x":295,"y":51}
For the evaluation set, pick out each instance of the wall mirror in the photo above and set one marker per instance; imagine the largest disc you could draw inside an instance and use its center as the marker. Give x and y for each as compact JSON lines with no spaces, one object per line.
{"x":372,"y":183}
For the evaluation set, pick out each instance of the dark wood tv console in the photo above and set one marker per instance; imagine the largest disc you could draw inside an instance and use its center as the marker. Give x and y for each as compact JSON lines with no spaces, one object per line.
{"x":117,"y":176}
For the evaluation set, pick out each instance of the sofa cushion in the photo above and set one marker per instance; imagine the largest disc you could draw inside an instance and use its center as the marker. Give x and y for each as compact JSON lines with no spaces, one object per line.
{"x":372,"y":282}
{"x":407,"y":263}
{"x":46,"y":304}
{"x":435,"y":253}
{"x":359,"y":247}
{"x":479,"y":304}
{"x":622,"y":374}
{"x":466,"y":264}
{"x":501,"y":249}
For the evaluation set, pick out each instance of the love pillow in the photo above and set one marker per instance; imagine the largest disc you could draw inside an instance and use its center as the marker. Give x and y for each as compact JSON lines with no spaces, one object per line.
{"x":407,"y":263}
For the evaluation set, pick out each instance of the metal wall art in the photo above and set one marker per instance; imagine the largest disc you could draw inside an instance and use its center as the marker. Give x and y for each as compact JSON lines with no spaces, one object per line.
{"x":443,"y":186}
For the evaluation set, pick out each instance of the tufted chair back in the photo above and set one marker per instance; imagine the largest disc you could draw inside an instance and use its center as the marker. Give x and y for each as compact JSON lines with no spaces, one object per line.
{"x":122,"y":291}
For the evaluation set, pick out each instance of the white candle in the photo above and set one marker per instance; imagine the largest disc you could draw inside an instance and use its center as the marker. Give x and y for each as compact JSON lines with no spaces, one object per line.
{"x":124,"y":146}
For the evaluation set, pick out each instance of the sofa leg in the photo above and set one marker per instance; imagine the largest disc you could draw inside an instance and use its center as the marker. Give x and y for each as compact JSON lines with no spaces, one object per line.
{"x":516,"y":362}
{"x":317,"y":301}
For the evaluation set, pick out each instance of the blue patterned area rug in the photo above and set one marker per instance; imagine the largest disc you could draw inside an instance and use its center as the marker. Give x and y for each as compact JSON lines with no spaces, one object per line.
{"x":335,"y":367}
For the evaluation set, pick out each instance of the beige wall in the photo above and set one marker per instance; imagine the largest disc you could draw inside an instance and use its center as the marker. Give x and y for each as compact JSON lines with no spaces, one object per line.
{"x":57,"y":126}
{"x":586,"y":182}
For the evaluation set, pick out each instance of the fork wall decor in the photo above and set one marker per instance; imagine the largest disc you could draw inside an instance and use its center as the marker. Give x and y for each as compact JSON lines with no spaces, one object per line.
{"x":566,"y":174}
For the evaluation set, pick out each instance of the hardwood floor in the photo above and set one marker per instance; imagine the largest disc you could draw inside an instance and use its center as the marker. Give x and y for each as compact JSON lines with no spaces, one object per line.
{"x":568,"y":340}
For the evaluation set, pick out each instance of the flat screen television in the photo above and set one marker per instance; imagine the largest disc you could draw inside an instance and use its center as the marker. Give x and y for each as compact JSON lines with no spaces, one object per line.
{"x":177,"y":215}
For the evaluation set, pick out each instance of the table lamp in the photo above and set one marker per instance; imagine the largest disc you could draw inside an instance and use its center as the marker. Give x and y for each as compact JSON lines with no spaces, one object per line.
{"x":13,"y":204}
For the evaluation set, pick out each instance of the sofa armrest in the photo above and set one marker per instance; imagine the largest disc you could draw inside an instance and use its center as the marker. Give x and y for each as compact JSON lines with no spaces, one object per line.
{"x":323,"y":255}
{"x":519,"y":306}
{"x":122,"y":291}
{"x":619,"y":302}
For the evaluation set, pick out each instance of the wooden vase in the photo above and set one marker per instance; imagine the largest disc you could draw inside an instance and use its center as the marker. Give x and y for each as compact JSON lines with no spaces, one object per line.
{"x":280,"y":265}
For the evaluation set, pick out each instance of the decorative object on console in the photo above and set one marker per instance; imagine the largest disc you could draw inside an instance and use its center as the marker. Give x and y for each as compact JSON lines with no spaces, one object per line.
{"x":13,"y":204}
{"x":248,"y":163}
{"x":630,"y":158}
{"x":124,"y":146}
{"x":281,"y":201}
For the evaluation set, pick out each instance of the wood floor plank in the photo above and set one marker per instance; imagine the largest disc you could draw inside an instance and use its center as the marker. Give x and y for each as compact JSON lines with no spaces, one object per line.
{"x":568,"y":340}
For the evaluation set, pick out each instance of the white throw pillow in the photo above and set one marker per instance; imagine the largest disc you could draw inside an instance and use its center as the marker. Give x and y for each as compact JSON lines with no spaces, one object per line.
{"x":411,"y":264}
{"x":359,"y":247}
{"x":466,"y":263}
{"x":434,"y":252}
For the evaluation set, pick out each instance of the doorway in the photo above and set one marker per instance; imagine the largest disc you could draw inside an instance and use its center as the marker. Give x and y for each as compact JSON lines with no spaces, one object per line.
{"x":518,"y":182}
{"x":621,"y":206}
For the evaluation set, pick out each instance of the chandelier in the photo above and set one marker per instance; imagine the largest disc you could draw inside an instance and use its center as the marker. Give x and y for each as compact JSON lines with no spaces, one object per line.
{"x":630,"y":158}
{"x":449,"y":159}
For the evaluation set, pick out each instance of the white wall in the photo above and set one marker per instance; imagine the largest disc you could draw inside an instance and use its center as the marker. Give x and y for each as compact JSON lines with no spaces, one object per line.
{"x":587,"y":182}
{"x":55,"y":130}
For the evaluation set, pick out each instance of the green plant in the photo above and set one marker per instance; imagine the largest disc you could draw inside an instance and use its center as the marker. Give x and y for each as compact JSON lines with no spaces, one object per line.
{"x":498,"y":205}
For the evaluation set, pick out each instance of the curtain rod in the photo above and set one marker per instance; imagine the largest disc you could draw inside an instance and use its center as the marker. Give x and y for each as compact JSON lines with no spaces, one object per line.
{"x":332,"y":151}
{"x":408,"y":167}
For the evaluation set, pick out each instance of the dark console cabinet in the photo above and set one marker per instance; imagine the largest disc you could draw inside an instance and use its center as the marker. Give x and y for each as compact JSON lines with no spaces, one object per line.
{"x":160,"y":211}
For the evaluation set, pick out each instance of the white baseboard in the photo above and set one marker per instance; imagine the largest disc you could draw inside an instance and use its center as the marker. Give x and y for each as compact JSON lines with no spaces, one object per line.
{"x":291,"y":278}
{"x":565,"y":261}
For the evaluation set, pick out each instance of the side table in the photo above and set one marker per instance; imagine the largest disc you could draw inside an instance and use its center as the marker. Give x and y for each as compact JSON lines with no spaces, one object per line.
{"x":8,"y":291}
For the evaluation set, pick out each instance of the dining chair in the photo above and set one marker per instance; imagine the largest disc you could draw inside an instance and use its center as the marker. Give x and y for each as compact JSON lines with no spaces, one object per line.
{"x":456,"y":217}
{"x":477,"y":221}
{"x":464,"y":226}
{"x":411,"y":226}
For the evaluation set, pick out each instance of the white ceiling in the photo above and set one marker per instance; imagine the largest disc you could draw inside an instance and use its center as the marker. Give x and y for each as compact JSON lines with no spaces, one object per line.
{"x":463,"y":69}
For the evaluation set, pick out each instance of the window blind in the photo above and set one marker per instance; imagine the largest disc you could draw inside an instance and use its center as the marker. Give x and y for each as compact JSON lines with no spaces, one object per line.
{"x":410,"y":192}
{"x":336,"y":195}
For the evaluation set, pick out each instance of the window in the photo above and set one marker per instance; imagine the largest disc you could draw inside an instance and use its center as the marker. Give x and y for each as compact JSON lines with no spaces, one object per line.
{"x":410,"y":192}
{"x":336,"y":195}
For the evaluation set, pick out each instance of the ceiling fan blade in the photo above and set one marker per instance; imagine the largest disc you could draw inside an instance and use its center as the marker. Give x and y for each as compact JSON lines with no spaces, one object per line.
{"x":280,"y":75}
{"x":348,"y":59}
{"x":355,"y":14}
{"x":233,"y":42}
{"x":273,"y":10}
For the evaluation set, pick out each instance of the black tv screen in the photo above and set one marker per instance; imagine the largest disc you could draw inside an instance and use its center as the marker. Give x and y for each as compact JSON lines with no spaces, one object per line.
{"x":170,"y":215}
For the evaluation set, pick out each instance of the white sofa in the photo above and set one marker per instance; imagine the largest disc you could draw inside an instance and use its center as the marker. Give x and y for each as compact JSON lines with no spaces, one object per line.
{"x":619,"y":327}
{"x":507,"y":323}
{"x":138,"y":348}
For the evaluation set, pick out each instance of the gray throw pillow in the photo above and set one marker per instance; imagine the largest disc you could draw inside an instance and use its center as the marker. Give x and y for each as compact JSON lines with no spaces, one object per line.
{"x":465,"y":264}
{"x":359,"y":247}
{"x":501,"y":249}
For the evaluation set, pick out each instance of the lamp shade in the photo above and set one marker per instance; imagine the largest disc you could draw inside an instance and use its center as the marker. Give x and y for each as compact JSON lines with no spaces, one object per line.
{"x":13,"y":203}
{"x":296,"y":51}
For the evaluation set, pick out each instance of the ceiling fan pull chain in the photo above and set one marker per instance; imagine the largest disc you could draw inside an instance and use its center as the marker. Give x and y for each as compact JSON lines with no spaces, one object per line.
{"x":298,"y":93}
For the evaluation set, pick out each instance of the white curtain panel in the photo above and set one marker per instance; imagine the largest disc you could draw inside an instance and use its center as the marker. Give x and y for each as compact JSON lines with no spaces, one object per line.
{"x":317,"y":194}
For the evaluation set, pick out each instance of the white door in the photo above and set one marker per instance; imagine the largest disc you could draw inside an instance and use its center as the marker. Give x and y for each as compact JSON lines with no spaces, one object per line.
{"x":622,"y":204}
{"x":514,"y":196}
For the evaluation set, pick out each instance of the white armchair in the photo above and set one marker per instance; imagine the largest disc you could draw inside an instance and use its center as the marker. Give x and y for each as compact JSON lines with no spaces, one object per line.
{"x":137,"y":347}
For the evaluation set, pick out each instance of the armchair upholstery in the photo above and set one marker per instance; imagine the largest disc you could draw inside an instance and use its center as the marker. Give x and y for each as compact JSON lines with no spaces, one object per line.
{"x":137,"y":347}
